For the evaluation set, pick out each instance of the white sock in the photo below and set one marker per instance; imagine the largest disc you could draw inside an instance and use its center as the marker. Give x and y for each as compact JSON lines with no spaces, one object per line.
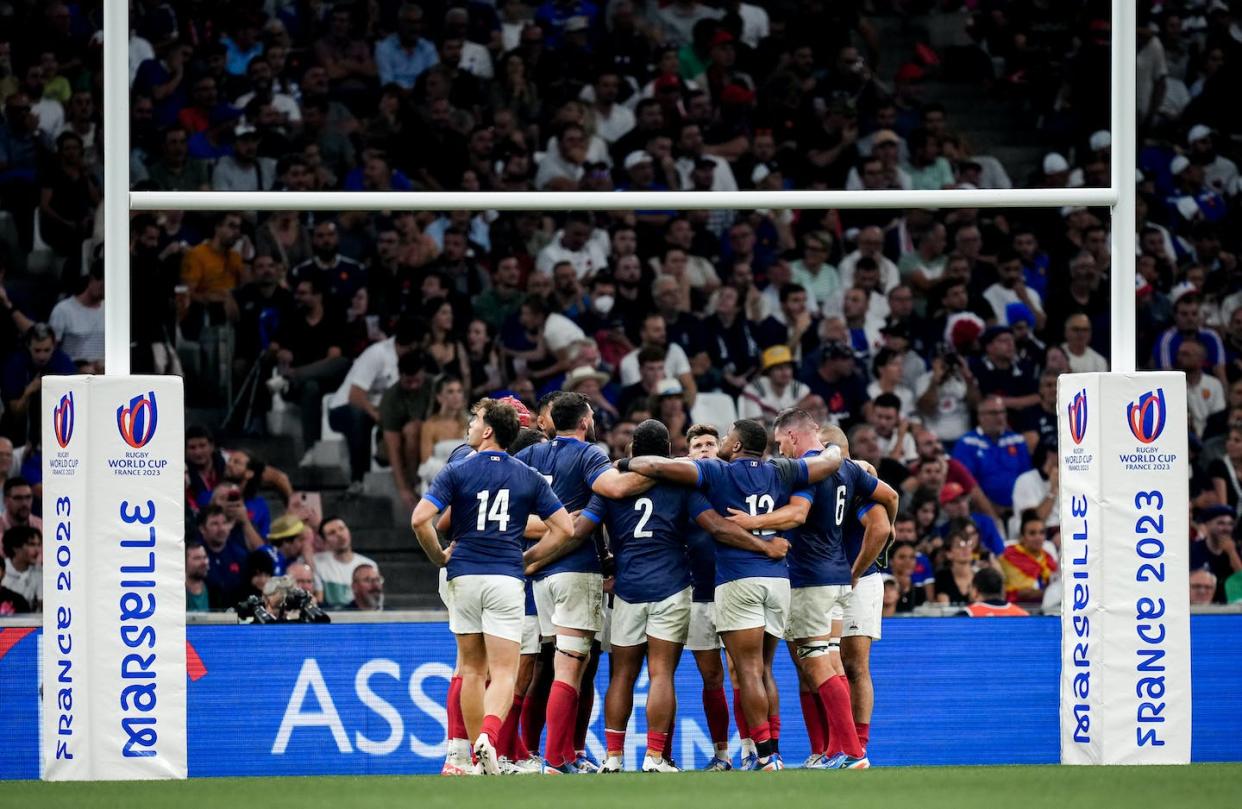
{"x":748,"y":748}
{"x":459,"y":748}
{"x":722,"y":751}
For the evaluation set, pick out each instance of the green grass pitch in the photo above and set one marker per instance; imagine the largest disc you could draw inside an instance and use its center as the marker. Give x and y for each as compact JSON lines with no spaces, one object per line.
{"x":1200,"y":785}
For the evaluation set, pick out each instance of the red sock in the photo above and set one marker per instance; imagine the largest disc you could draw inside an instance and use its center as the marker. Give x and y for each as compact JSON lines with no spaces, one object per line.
{"x":717,"y":709}
{"x":586,"y":704}
{"x":534,"y":714}
{"x":835,"y":693}
{"x":456,"y":722}
{"x":774,"y":726}
{"x":518,"y":747}
{"x":863,"y":729}
{"x":761,"y":733}
{"x":656,"y":743}
{"x":561,"y":715}
{"x":668,"y":737}
{"x":508,"y":731}
{"x":570,"y":749}
{"x":614,"y":740}
{"x":743,"y":729}
{"x":814,"y":721}
{"x":491,"y":728}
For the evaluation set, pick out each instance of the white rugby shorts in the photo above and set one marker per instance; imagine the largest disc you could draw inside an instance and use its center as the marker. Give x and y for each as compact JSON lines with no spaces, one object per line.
{"x":667,"y":619}
{"x":570,"y":601}
{"x":702,"y":636}
{"x":759,"y":602}
{"x":491,"y":604}
{"x":530,"y":635}
{"x":813,"y":609}
{"x":865,"y":607}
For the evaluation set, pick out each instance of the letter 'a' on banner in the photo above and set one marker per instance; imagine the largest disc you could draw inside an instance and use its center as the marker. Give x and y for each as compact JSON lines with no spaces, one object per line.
{"x":114,"y":674}
{"x":1125,"y":546}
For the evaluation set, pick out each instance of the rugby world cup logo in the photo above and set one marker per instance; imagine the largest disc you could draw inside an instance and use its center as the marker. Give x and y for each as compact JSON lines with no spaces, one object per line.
{"x":1078,"y":416}
{"x":1146,"y":416}
{"x":136,"y":422}
{"x":62,"y":420}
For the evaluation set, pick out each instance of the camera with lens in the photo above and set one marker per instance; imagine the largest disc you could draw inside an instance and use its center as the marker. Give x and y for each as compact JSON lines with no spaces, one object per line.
{"x":254,"y":611}
{"x":299,"y":607}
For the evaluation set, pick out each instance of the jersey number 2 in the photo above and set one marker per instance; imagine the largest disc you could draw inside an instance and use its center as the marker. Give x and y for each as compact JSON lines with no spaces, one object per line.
{"x":645,"y":506}
{"x":499,"y":512}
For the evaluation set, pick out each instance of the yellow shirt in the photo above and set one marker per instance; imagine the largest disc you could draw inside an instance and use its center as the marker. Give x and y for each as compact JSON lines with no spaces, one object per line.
{"x":204,"y":269}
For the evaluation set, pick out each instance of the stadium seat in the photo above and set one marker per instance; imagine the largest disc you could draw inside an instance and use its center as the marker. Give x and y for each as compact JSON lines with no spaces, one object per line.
{"x":717,"y":409}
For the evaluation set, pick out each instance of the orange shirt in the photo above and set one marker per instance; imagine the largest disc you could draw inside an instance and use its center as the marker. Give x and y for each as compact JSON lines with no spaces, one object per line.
{"x":205,"y":269}
{"x":982,"y":609}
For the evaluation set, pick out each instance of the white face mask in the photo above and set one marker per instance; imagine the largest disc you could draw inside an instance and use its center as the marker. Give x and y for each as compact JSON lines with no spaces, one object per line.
{"x":603,"y":304}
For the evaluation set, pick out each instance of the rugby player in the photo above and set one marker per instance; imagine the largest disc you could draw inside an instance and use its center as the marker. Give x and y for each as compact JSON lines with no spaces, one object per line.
{"x":652,"y":594}
{"x":493,"y":496}
{"x":861,"y":622}
{"x":821,"y":581}
{"x":752,"y":589}
{"x":703,"y":641}
{"x":569,"y":593}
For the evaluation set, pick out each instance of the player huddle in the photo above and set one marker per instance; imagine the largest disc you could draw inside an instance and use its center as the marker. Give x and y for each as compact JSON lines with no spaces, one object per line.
{"x":721,"y":548}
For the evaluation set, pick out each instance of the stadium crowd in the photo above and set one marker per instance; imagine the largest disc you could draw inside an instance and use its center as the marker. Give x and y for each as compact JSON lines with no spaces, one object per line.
{"x":933,"y":337}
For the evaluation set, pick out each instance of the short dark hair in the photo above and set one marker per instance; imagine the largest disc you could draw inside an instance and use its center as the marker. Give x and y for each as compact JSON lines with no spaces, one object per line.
{"x":697,"y":430}
{"x":502,"y":418}
{"x":650,"y":354}
{"x":410,"y":364}
{"x":547,"y":400}
{"x":13,"y":482}
{"x":568,"y":409}
{"x":887,"y":400}
{"x":791,"y":289}
{"x":526,"y":437}
{"x":199,"y":431}
{"x":651,"y":438}
{"x":754,"y":436}
{"x":792,"y":417}
{"x":1029,"y":515}
{"x":331,"y":518}
{"x":882,"y":357}
{"x":866,"y":263}
{"x":16,"y":538}
{"x":904,"y":516}
{"x":989,"y":583}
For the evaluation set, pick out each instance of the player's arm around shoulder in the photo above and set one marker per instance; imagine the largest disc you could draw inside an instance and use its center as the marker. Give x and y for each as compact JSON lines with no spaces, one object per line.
{"x":674,"y":470}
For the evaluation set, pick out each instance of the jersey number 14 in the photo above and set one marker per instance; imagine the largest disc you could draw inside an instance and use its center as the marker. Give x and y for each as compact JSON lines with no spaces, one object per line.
{"x":498,"y":513}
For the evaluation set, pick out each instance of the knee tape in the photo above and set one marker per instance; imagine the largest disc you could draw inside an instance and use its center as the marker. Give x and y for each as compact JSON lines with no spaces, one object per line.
{"x":812,"y":649}
{"x":573,"y":646}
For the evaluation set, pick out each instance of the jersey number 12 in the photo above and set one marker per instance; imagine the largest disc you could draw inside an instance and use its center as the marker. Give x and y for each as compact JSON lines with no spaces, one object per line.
{"x":499,"y":512}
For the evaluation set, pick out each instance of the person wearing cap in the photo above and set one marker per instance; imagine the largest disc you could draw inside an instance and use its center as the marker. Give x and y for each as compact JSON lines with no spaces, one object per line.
{"x":1213,"y":547}
{"x":1001,"y":373}
{"x":1011,"y":287}
{"x":1219,"y":172}
{"x":955,"y":501}
{"x":293,"y":543}
{"x":1192,"y":199}
{"x":244,"y":169}
{"x":588,"y":381}
{"x":775,"y":389}
{"x":1056,"y":171}
{"x":994,"y":454}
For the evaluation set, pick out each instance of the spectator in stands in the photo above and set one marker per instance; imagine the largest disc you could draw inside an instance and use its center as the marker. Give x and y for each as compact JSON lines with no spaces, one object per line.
{"x":447,"y":419}
{"x":368,"y":589}
{"x":837,"y":382}
{"x":340,"y":275}
{"x":1083,"y":359}
{"x":246,"y":471}
{"x":79,"y":323}
{"x":402,"y":409}
{"x":1026,"y":566}
{"x":955,"y":579}
{"x":1042,"y":425}
{"x":24,"y":370}
{"x":1001,"y":374}
{"x":654,"y":334}
{"x":892,"y":429}
{"x":912,"y":591}
{"x":227,"y":550}
{"x":12,"y":602}
{"x":495,"y":304}
{"x":775,"y":389}
{"x":994,"y":454}
{"x":19,"y":157}
{"x":1038,"y":490}
{"x":198,"y":595}
{"x":988,"y":597}
{"x":886,"y":370}
{"x":956,"y":503}
{"x":23,"y":571}
{"x":946,"y":395}
{"x":870,"y":245}
{"x":308,"y":354}
{"x":213,"y":269}
{"x":334,"y":568}
{"x":1202,"y":587}
{"x":354,"y":409}
{"x":1205,"y":395}
{"x":244,"y":169}
{"x":176,"y":170}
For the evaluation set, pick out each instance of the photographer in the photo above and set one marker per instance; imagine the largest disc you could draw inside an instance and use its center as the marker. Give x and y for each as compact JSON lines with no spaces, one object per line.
{"x":282,"y":602}
{"x":946,"y":395}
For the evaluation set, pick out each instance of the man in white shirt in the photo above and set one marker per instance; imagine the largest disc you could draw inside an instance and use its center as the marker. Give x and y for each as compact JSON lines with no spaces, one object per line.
{"x":1011,"y":288}
{"x":1205,"y":394}
{"x":78,"y":323}
{"x":259,"y":72}
{"x":1083,"y":359}
{"x":775,"y":389}
{"x":690,"y":146}
{"x":654,"y":334}
{"x":562,"y":165}
{"x":1038,"y":489}
{"x":575,"y":244}
{"x":612,"y":120}
{"x":354,"y":408}
{"x":871,"y":244}
{"x":23,"y":568}
{"x":334,"y":568}
{"x":475,"y":58}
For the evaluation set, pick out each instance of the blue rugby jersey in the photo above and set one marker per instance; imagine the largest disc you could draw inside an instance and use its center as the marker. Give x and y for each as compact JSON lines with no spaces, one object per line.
{"x":647,"y":534}
{"x":756,"y":487}
{"x":701,"y":547}
{"x":570,"y":466}
{"x":492,"y":495}
{"x":817,"y":554}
